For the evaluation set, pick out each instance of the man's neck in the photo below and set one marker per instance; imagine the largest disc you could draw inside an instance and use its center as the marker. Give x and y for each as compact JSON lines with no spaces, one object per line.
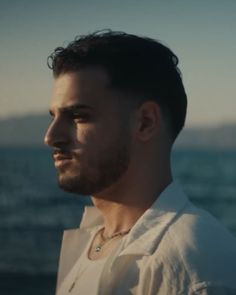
{"x":122,"y":208}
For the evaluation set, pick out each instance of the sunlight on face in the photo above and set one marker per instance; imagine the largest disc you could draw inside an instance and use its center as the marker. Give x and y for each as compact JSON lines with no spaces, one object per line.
{"x":88,"y":132}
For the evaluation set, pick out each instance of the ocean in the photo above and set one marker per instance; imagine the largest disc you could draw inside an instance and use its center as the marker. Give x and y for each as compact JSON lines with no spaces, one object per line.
{"x":34,"y":211}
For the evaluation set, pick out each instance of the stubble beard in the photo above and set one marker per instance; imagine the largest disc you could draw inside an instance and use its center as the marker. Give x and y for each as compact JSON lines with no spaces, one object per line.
{"x":95,"y":176}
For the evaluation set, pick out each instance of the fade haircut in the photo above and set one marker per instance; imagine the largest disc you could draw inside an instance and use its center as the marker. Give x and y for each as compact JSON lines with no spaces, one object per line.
{"x":137,"y":65}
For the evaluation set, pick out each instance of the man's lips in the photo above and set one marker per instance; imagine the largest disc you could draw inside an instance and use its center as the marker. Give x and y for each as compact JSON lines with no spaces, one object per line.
{"x":62,"y":160}
{"x":61,"y":157}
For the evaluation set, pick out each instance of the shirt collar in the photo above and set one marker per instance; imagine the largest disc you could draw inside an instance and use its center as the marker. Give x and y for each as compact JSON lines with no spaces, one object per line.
{"x":151,"y":226}
{"x":92,"y":217}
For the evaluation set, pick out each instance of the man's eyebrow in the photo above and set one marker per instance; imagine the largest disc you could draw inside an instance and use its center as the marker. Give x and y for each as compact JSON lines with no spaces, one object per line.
{"x":71,"y":109}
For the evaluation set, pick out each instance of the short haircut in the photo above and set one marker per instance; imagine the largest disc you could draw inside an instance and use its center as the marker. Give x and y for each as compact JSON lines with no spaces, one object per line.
{"x":137,"y":65}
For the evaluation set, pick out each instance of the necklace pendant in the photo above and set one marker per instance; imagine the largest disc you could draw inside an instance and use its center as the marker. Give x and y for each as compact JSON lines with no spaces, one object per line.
{"x":98,"y":248}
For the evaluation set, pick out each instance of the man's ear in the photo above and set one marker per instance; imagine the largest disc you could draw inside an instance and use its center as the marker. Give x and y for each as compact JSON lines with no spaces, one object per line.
{"x":149,"y":121}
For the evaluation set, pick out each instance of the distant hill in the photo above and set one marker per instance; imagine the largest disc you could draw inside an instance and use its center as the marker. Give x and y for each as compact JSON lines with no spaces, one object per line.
{"x":218,"y":137}
{"x":30,"y":130}
{"x":23,"y":131}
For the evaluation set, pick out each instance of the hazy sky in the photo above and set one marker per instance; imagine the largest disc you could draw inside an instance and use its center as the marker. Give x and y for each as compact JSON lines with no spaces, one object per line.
{"x":201,"y":32}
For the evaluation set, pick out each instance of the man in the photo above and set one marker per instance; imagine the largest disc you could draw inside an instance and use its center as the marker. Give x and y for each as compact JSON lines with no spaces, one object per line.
{"x":118,"y":105}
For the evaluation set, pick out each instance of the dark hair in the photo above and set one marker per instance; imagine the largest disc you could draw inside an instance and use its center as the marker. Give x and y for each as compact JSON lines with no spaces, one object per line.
{"x":138,"y":65}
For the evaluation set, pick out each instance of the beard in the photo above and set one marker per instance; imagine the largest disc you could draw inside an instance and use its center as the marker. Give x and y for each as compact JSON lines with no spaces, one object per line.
{"x":91,"y":173}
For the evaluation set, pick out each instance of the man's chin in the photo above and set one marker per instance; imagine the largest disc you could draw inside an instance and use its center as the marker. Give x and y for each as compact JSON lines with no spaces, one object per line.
{"x":74,"y":186}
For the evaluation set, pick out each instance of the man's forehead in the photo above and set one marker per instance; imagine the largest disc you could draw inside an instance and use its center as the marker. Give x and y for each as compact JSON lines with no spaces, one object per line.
{"x":87,"y":86}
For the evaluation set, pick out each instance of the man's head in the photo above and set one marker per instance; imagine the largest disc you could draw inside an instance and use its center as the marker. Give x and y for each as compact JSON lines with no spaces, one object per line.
{"x":140,"y":66}
{"x":104,"y":83}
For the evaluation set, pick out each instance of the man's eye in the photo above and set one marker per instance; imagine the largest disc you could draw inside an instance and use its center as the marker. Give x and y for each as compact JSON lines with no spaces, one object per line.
{"x":81,"y":117}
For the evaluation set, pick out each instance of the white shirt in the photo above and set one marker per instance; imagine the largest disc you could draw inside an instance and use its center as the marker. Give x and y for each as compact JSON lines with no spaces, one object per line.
{"x":174,"y":248}
{"x":85,"y":275}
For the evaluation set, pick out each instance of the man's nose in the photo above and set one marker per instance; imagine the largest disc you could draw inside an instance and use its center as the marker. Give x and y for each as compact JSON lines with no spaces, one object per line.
{"x":56,"y":134}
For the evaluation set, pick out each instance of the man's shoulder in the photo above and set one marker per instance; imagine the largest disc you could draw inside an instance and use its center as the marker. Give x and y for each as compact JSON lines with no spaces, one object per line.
{"x":195,"y":228}
{"x":199,"y":245}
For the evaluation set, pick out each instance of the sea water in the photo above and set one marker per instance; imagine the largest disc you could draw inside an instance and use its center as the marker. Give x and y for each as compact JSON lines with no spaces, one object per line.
{"x":34,"y":211}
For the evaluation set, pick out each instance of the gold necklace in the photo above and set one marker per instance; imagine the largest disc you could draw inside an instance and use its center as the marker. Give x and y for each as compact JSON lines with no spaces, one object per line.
{"x":98,"y":248}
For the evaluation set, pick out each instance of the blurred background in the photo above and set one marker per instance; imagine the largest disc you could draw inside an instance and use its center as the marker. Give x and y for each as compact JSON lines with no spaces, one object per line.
{"x":33,"y":211}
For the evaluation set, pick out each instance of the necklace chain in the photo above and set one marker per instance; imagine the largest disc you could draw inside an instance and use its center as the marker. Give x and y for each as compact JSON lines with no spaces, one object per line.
{"x":98,"y":248}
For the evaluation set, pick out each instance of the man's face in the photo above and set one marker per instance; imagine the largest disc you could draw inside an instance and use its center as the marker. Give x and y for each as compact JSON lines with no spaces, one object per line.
{"x":89,"y":132}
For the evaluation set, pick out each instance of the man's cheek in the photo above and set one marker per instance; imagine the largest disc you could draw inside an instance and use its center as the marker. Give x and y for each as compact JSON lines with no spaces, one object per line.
{"x":86,"y":136}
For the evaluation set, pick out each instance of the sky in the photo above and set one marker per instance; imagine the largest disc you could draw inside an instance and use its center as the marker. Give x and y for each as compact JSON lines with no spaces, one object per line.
{"x":202,"y":33}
